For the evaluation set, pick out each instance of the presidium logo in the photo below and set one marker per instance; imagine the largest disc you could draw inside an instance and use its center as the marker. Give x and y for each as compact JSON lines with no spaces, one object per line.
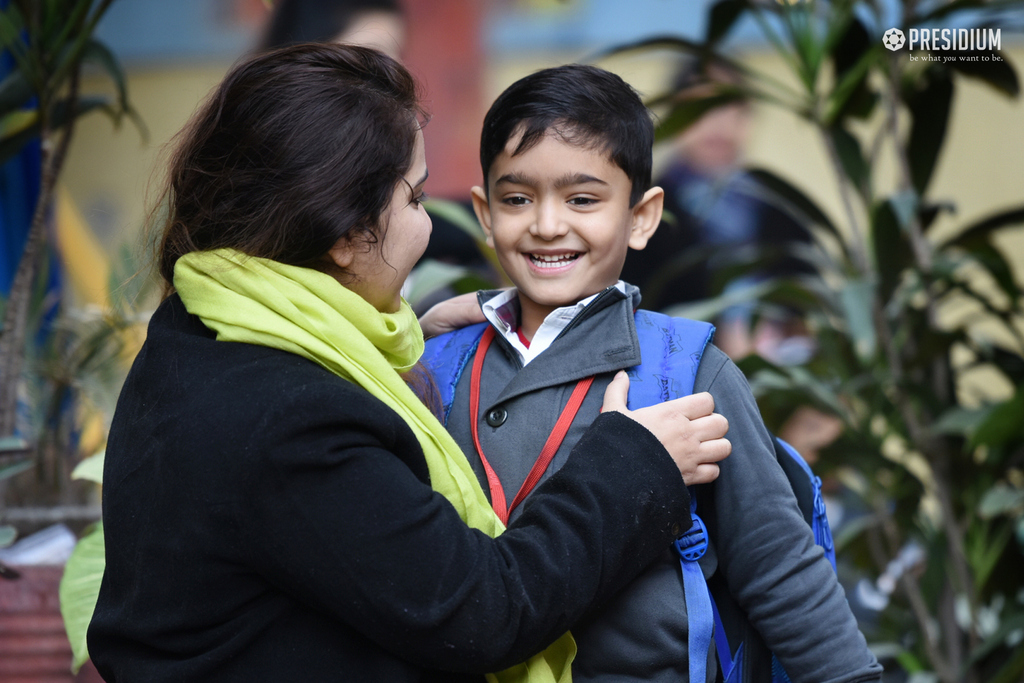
{"x":965,"y":40}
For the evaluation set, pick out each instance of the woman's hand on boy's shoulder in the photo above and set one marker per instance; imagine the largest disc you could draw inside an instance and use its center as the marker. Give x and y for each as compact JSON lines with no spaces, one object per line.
{"x":451,"y":314}
{"x":688,"y":428}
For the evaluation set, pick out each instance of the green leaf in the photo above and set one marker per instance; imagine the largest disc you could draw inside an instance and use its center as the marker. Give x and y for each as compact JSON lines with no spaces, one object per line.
{"x":930,"y":211}
{"x":856,"y":296}
{"x":90,"y":469}
{"x":929,"y":112}
{"x":98,"y":53}
{"x":430,"y":276}
{"x":79,"y":590}
{"x":673,"y":43}
{"x":13,"y":444}
{"x":998,"y":267}
{"x":852,"y":57}
{"x":7,"y":535}
{"x":1000,"y":75}
{"x":688,"y":111}
{"x":709,"y":309}
{"x":892,"y":250}
{"x":59,"y":114}
{"x":1003,"y":424}
{"x":721,"y":18}
{"x":456,"y":214}
{"x":942,"y":10}
{"x":904,"y":204}
{"x":793,"y":199}
{"x":15,"y":92}
{"x":16,"y":122}
{"x":851,"y":157}
{"x":960,"y":421}
{"x":465,"y":220}
{"x":11,"y":469}
{"x":1001,"y":499}
{"x":982,"y":229}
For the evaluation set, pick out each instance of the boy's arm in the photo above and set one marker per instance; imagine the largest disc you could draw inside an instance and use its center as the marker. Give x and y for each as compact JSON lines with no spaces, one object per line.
{"x":766,"y":550}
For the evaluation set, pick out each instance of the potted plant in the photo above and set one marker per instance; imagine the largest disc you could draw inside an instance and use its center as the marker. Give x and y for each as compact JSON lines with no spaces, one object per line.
{"x":901,"y":317}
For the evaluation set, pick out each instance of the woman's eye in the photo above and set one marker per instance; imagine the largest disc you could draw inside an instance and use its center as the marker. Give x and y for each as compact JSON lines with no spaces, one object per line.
{"x":420,"y":198}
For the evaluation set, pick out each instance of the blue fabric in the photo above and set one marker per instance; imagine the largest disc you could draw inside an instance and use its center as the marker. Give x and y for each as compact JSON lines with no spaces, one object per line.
{"x":700,"y":616}
{"x":447,"y":356}
{"x":819,"y":521}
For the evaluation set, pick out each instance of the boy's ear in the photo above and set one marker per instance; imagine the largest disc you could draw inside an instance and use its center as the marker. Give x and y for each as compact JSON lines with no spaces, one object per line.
{"x":646,"y":217}
{"x":482,"y":208}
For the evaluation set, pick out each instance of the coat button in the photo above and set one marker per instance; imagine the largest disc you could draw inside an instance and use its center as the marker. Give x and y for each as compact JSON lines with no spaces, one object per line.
{"x":676,"y":529}
{"x":496,"y":417}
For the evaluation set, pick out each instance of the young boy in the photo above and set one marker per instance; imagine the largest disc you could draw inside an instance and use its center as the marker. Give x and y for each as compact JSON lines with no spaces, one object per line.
{"x":566,"y":156}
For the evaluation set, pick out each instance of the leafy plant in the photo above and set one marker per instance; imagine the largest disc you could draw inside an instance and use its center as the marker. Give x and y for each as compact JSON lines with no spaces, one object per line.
{"x":83,"y":574}
{"x":49,"y":41}
{"x":902,"y":318}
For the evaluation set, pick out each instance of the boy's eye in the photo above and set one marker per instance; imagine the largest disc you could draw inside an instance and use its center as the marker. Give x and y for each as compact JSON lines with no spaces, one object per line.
{"x":516,"y":200}
{"x":582,"y":201}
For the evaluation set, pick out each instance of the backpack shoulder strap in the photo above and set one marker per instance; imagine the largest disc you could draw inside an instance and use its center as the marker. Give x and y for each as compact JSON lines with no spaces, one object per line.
{"x":807,"y":487}
{"x":670,"y":353}
{"x":447,"y":355}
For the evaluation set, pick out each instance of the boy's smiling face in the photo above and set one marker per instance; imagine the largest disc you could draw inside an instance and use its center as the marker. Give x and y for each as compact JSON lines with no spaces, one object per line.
{"x":558,"y":216}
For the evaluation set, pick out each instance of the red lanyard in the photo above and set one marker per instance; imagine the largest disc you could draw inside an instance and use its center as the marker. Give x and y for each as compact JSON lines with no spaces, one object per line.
{"x":555,"y":439}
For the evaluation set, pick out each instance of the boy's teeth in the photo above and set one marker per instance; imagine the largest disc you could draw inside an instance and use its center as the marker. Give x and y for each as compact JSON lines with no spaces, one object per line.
{"x":551,"y":261}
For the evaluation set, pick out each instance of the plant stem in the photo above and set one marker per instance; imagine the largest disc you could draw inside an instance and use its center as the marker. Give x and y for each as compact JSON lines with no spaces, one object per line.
{"x":912,"y":589}
{"x":920,"y":246}
{"x":858,"y":241}
{"x":923,"y":442}
{"x":15,"y":327}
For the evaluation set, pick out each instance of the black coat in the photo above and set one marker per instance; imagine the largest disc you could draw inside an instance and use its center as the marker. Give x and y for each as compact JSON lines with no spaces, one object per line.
{"x":268,"y":521}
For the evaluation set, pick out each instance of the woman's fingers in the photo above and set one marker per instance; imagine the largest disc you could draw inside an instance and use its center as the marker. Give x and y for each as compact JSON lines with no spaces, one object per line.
{"x":616,"y":394}
{"x":451,"y":314}
{"x":687,"y":427}
{"x":703,"y":474}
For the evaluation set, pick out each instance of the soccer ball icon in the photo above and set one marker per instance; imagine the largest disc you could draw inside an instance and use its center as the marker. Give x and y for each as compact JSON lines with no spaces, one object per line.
{"x":894,"y":39}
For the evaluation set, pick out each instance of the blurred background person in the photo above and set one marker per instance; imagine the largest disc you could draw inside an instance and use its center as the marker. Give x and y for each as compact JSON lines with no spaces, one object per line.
{"x":717,"y":212}
{"x":379,"y":24}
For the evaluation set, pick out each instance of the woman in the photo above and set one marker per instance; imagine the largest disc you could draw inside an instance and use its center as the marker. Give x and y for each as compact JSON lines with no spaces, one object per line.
{"x":278,"y":504}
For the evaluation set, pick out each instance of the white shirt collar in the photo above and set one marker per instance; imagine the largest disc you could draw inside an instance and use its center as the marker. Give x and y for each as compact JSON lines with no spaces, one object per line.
{"x":502,"y":311}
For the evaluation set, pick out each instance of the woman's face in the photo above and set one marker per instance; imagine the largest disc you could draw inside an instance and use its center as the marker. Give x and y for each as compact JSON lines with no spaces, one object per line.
{"x":377,"y":271}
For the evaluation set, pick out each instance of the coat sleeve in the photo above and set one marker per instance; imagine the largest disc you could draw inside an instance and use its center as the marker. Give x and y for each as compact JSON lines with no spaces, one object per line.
{"x":766,"y":551}
{"x":344,"y":524}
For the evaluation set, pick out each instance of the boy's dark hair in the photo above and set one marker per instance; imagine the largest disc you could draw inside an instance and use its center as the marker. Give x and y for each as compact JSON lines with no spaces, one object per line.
{"x":586,"y":106}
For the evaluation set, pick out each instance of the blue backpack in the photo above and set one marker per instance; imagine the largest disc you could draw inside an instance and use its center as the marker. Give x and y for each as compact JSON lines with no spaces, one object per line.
{"x":671,"y":349}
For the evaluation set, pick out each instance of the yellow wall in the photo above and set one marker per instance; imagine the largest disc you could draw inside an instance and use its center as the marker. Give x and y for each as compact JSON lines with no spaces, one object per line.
{"x":109,"y":173}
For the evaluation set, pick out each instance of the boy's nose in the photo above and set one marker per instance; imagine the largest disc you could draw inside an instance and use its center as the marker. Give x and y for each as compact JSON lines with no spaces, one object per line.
{"x":548,"y":222}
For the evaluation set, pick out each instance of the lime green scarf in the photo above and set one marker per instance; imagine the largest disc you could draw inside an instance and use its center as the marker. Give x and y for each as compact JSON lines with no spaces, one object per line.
{"x":306,"y":312}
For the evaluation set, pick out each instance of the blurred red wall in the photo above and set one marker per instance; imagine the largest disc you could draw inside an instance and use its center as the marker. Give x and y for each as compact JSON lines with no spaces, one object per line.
{"x":444,"y":53}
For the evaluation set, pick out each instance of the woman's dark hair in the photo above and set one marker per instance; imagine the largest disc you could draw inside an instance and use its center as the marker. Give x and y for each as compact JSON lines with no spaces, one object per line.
{"x":587,"y":106}
{"x":308,"y":21}
{"x":296,"y":149}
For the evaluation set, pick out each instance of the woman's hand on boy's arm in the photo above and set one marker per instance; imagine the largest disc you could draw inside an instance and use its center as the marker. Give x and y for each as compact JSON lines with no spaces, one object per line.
{"x":687,"y":427}
{"x":451,"y":314}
